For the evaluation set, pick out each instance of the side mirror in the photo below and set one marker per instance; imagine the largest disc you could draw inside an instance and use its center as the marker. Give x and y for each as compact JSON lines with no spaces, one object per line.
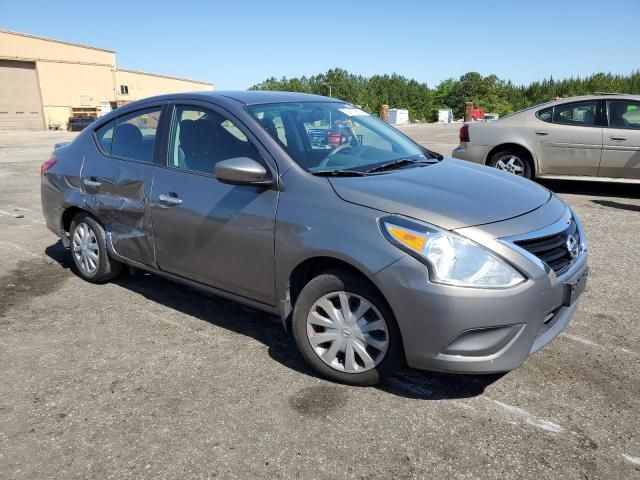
{"x":241,"y":171}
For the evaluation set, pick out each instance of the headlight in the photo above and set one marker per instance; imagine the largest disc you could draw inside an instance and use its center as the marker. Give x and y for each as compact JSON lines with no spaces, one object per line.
{"x":583,"y":236}
{"x":451,"y":259}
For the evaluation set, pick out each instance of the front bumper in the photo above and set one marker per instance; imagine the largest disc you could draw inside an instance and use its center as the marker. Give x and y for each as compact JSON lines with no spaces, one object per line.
{"x":468,"y":330}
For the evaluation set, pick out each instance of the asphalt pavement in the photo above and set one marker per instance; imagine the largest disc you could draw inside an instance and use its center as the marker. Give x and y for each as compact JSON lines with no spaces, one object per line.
{"x":144,"y":378}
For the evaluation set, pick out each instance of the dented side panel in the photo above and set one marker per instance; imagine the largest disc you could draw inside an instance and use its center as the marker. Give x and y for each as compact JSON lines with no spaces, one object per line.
{"x":120,"y":201}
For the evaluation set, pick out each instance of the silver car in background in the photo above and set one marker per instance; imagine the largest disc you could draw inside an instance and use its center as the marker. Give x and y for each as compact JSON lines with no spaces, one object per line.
{"x":594,"y":137}
{"x":374,"y":251}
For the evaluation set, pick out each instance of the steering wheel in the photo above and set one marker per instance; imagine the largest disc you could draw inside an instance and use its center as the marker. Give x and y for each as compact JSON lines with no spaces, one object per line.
{"x":327,"y":159}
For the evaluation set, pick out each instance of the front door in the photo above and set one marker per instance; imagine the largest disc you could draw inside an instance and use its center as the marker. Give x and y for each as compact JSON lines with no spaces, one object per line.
{"x":205,"y":230}
{"x":567,"y":139}
{"x":116,"y":178}
{"x":621,"y":150}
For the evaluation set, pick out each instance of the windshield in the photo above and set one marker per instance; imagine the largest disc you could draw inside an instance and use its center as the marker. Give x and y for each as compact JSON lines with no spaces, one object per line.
{"x":325,"y":136}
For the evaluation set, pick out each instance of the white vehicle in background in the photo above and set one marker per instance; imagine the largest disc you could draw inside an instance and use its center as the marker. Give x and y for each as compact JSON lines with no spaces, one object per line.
{"x":595,"y":137}
{"x":445,"y":115}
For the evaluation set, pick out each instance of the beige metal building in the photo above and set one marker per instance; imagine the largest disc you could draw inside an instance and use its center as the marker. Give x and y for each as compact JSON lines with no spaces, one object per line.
{"x":45,"y":82}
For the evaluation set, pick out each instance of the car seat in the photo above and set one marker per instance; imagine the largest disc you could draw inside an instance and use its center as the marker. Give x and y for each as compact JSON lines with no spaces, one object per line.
{"x":616,"y":115}
{"x":128,"y":143}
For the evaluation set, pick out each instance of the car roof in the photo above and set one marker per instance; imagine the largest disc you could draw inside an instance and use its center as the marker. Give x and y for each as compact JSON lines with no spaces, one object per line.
{"x":599,"y":96}
{"x":248,"y":97}
{"x":564,"y":100}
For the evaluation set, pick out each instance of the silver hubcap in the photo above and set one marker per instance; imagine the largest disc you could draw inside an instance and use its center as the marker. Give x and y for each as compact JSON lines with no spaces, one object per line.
{"x":85,"y":248}
{"x":511,"y":164}
{"x":347,"y":332}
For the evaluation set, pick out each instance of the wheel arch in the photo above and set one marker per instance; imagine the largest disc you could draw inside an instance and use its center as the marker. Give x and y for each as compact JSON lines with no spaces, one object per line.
{"x":310,"y":268}
{"x":519,"y":147}
{"x":67,"y":216}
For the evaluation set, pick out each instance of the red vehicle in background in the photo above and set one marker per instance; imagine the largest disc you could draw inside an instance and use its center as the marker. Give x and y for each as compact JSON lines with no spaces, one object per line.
{"x":477,"y":114}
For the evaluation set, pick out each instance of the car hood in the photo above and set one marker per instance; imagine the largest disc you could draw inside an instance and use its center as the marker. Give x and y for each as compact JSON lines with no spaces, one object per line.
{"x":450,"y":194}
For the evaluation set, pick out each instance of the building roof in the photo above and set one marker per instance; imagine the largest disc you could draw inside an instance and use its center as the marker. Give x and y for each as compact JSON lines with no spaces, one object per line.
{"x":138,"y":72}
{"x":56,"y":41}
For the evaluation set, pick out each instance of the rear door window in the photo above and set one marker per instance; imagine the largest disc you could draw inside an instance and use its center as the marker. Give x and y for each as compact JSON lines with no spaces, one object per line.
{"x":623,"y":114}
{"x":579,"y":113}
{"x":104,"y":136}
{"x":135,"y":135}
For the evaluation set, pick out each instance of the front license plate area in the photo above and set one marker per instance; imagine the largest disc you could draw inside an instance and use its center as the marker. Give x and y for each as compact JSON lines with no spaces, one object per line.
{"x":574,"y":288}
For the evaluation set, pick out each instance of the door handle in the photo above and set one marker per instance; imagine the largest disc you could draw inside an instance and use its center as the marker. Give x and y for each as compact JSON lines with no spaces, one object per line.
{"x":617,"y":137}
{"x":91,"y":182}
{"x":170,"y":199}
{"x":541,"y":132}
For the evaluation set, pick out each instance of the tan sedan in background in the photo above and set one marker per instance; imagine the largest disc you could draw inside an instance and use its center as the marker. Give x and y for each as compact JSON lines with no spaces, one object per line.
{"x":594,"y":137}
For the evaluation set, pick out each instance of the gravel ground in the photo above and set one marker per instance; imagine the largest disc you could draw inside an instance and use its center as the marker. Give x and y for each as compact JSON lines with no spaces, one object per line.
{"x":145,"y":378}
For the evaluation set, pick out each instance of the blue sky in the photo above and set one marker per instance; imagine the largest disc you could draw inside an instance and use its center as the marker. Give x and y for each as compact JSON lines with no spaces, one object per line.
{"x":235,"y":44}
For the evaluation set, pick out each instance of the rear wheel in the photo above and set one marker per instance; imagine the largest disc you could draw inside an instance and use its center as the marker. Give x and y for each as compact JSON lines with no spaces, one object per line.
{"x":512,"y":161}
{"x":89,"y":250}
{"x":345,"y":330}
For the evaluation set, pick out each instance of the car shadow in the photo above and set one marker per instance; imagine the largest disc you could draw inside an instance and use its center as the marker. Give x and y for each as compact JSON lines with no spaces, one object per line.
{"x":598,"y":189}
{"x":617,"y":205}
{"x":268,"y":330}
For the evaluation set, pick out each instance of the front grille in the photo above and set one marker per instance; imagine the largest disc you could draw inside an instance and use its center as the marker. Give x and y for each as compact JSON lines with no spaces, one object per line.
{"x":553,"y":250}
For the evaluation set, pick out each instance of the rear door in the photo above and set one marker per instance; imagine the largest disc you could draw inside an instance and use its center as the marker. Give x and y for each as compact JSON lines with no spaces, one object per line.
{"x":116,"y":179}
{"x":621,"y":150}
{"x":214,"y":233}
{"x":567,"y":138}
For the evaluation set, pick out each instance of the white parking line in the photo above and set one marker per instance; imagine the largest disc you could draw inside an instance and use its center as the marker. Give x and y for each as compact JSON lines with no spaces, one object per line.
{"x":528,"y":417}
{"x":20,"y":209}
{"x":589,"y":343}
{"x":15,"y":246}
{"x":581,"y":340}
{"x":631,"y":459}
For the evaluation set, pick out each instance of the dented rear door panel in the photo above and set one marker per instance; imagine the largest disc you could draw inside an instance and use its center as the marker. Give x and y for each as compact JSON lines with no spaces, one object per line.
{"x":118,"y":191}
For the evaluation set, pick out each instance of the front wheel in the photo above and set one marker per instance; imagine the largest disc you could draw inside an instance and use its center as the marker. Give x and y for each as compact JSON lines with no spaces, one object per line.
{"x":345,"y":330}
{"x":512,"y":162}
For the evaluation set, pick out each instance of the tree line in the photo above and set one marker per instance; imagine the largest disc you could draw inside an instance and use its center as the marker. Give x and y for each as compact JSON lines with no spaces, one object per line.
{"x":488,"y":92}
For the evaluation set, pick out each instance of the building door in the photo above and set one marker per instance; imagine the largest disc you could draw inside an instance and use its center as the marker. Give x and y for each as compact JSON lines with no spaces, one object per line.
{"x":20,"y":105}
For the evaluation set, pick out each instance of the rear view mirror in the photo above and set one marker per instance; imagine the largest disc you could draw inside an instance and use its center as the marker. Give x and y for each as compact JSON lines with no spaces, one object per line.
{"x":241,"y":171}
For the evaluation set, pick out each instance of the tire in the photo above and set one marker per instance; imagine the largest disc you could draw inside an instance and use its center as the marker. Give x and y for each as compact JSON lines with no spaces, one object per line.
{"x":513,"y":161}
{"x":91,"y":237}
{"x":347,"y":361}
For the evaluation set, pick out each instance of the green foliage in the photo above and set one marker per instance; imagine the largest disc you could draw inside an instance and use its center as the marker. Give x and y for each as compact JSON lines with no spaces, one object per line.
{"x":491,"y":93}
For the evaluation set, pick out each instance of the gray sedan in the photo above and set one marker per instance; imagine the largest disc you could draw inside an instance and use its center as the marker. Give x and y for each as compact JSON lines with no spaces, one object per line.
{"x":374,"y":251}
{"x":582,"y":138}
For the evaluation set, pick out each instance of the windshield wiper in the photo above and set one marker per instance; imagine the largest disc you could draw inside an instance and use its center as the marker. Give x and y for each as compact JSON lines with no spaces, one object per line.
{"x":432,"y":154}
{"x":338,"y":173}
{"x":391,"y":165}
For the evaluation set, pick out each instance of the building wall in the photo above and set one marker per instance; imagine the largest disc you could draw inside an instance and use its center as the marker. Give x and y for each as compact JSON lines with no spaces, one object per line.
{"x":65,"y":86}
{"x":72,"y":76}
{"x":21,"y":46}
{"x":142,"y":85}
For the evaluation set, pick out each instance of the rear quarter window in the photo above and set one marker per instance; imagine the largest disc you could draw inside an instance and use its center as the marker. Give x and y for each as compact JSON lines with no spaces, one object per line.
{"x":545,"y":115}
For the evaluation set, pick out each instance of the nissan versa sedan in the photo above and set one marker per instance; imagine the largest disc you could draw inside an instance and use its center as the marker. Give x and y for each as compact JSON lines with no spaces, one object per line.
{"x":595,"y":137}
{"x":374,"y":251}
